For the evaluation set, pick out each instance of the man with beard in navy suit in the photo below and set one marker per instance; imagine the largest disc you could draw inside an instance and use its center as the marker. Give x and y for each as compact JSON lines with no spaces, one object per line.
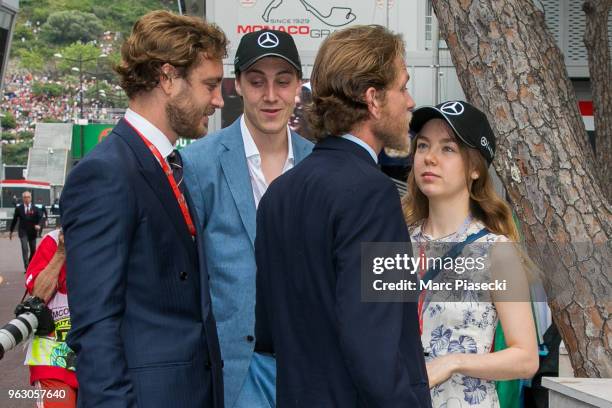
{"x":332,"y":348}
{"x":142,"y":322}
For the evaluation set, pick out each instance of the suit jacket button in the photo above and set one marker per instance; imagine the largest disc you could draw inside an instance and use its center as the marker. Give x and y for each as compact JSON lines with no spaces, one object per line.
{"x":250,"y":338}
{"x":183,"y":275}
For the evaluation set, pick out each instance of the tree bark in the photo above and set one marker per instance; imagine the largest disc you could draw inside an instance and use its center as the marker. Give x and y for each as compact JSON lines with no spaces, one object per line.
{"x":510,"y":67}
{"x":596,"y":43}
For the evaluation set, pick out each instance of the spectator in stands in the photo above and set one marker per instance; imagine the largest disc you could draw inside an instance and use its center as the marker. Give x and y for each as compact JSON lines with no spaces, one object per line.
{"x":30,"y":107}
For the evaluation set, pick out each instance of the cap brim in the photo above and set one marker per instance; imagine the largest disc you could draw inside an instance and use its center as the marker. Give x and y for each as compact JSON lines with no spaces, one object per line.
{"x":247,"y":65}
{"x":426,"y":113}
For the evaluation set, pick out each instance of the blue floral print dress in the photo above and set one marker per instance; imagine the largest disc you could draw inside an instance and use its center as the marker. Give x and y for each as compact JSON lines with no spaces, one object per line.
{"x":459,"y":327}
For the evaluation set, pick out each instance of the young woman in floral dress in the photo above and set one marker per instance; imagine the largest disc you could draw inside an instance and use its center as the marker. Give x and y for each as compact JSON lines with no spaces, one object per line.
{"x":451,"y":197}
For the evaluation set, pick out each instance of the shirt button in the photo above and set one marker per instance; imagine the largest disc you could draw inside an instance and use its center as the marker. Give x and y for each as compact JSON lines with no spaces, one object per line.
{"x":250,"y":338}
{"x":183,"y":275}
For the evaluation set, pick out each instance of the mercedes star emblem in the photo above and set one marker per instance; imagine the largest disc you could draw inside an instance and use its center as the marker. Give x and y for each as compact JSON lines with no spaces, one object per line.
{"x":452,"y":108}
{"x":267,"y":40}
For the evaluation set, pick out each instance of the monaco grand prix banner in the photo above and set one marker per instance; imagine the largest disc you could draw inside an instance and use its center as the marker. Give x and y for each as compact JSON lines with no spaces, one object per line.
{"x":309,"y":21}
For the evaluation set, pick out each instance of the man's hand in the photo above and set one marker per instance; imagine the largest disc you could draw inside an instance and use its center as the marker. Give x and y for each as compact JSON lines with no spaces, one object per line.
{"x":60,"y":242}
{"x":37,"y":227}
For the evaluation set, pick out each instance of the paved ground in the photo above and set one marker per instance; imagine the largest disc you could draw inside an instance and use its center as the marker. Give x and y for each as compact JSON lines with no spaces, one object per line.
{"x":13,"y":374}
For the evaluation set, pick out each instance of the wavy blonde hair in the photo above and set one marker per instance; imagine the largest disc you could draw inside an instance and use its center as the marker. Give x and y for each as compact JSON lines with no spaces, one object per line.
{"x":348,"y":63}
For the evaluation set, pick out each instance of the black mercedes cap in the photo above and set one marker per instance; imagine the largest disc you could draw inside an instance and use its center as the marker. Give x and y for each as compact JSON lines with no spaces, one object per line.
{"x":469,"y":124}
{"x":266,"y":43}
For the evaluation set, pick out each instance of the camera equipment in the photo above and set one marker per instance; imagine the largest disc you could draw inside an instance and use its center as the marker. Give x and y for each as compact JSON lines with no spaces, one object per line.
{"x":31,"y":316}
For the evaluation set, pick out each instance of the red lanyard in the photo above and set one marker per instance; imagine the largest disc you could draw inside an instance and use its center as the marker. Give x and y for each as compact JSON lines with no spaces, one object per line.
{"x":422,"y":294}
{"x":180,"y":198}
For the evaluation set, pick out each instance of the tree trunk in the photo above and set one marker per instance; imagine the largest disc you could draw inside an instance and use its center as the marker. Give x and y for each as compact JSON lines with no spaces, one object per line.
{"x":510,"y":67}
{"x":596,"y":43}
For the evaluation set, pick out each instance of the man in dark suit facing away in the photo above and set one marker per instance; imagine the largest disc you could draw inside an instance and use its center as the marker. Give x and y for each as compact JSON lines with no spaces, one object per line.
{"x":142,"y":324}
{"x":30,"y":219}
{"x":333,"y":349}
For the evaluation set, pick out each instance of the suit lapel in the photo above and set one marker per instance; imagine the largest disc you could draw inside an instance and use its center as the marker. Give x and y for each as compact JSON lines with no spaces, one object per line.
{"x":198,"y":255}
{"x":236,"y":172}
{"x":300,"y":150}
{"x":156,"y":179}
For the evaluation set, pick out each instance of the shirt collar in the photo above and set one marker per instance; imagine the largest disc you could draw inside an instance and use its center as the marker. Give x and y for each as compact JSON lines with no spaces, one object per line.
{"x":148,"y":130}
{"x":250,"y":148}
{"x":363,"y":144}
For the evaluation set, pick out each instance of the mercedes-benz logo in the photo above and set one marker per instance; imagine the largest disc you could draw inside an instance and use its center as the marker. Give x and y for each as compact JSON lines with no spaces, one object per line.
{"x":267,"y":40}
{"x":484,"y":141}
{"x":453,"y":108}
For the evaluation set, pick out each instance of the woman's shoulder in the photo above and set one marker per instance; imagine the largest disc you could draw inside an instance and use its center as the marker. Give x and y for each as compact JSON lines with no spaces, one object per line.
{"x":490,"y":237}
{"x":415,"y":229}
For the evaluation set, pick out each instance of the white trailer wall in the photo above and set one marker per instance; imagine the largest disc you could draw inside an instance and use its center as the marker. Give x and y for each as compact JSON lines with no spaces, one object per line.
{"x":310,"y":21}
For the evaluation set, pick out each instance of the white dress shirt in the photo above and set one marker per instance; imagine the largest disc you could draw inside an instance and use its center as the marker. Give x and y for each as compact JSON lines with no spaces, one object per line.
{"x":258,"y":180}
{"x":153,"y":134}
{"x":363,"y":144}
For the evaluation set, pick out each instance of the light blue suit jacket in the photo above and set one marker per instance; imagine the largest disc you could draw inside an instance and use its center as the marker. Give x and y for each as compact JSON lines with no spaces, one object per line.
{"x":217,"y":175}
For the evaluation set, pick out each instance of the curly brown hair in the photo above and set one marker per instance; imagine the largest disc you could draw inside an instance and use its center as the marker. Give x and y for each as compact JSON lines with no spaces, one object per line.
{"x":161,"y":37}
{"x":348,"y":63}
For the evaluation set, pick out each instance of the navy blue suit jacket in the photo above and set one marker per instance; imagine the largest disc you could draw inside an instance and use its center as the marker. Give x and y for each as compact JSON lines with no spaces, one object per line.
{"x":332,"y":349}
{"x":142,"y":324}
{"x":27,"y":222}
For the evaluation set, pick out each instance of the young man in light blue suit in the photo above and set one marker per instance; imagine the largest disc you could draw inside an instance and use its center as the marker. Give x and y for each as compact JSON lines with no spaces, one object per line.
{"x":227,"y":174}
